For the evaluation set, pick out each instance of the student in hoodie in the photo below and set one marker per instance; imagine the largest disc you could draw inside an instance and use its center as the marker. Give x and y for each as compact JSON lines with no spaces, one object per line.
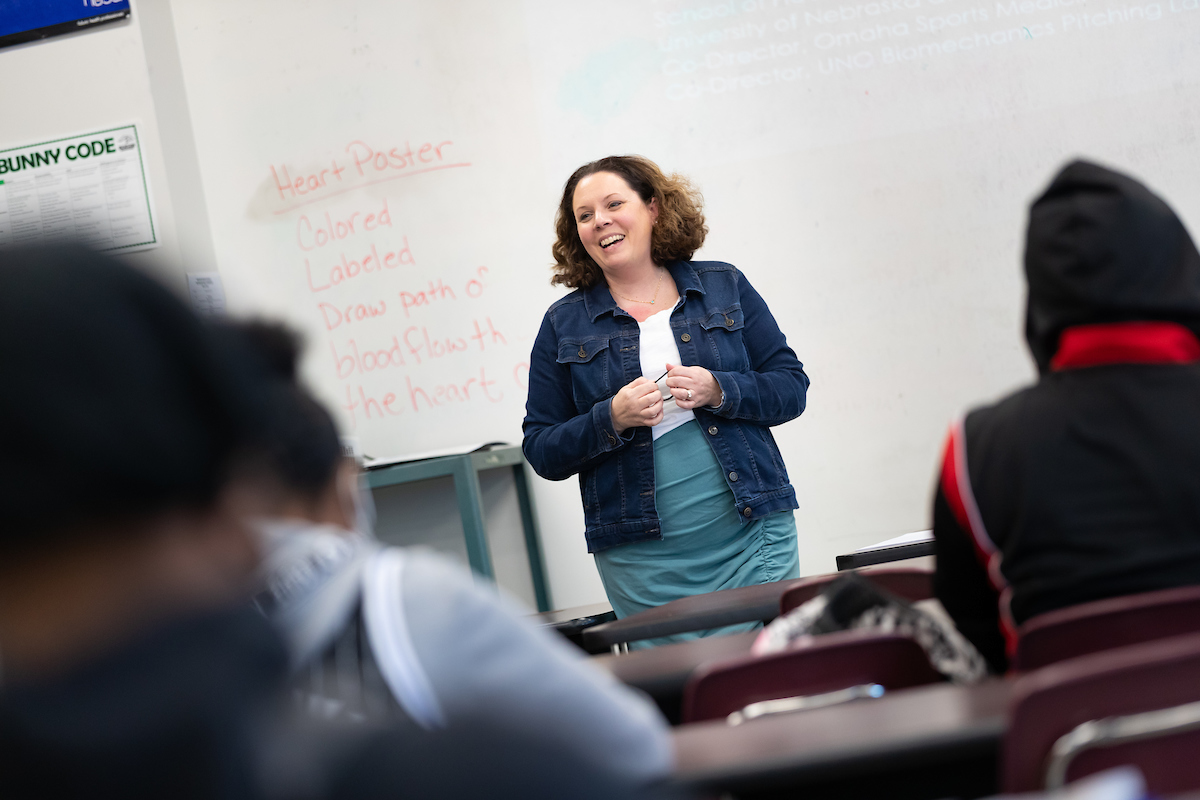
{"x":1085,"y":485}
{"x":398,"y":634}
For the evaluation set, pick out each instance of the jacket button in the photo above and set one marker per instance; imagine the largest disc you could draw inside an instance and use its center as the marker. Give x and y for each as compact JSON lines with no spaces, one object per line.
{"x":747,"y":512}
{"x":728,"y":322}
{"x":687,"y":337}
{"x":733,"y":477}
{"x":582,"y":353}
{"x":712,"y":431}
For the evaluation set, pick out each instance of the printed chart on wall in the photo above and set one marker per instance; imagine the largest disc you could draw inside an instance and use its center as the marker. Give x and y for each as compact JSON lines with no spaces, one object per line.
{"x":90,"y":188}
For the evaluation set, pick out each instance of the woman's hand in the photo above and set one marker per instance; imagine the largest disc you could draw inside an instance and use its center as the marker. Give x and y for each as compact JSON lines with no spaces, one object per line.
{"x":638,"y":403}
{"x":693,"y":387}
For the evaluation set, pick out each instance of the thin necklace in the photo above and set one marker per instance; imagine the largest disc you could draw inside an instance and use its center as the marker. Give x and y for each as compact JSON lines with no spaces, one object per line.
{"x":649,"y":302}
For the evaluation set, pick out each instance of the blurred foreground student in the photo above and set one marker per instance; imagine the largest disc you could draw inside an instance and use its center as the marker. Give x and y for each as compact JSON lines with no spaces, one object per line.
{"x":1085,"y":485}
{"x":130,"y":665}
{"x":127,"y":669}
{"x":398,"y":634}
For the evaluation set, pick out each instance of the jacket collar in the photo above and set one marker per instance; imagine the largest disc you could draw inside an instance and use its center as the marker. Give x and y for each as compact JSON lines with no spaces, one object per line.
{"x":1125,"y":343}
{"x":598,"y":300}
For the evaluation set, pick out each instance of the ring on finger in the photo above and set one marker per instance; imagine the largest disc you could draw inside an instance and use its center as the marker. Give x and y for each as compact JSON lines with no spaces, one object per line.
{"x":689,"y":391}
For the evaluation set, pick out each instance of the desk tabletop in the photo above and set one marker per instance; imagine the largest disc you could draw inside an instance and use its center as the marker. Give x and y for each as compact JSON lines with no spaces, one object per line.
{"x":886,"y":555}
{"x":930,"y":728}
{"x":711,"y":610}
{"x":562,"y":615}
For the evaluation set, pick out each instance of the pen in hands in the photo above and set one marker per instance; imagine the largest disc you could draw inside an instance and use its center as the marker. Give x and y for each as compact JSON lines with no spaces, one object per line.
{"x":640,"y":402}
{"x":692,"y":387}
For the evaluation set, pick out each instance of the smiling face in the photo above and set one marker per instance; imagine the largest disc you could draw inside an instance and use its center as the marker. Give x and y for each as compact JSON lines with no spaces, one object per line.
{"x":614,"y":223}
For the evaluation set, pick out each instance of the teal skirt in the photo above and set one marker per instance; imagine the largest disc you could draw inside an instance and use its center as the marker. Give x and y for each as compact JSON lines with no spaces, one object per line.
{"x":706,"y":544}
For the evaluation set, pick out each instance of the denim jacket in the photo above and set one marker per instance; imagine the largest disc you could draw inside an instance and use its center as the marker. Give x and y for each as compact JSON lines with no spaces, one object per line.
{"x":587,"y":349}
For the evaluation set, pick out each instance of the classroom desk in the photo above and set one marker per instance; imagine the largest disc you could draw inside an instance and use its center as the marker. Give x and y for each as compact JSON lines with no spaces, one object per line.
{"x":701,"y":612}
{"x":886,"y":555}
{"x":912,"y":744}
{"x":465,"y":469}
{"x":572,"y":622}
{"x":578,"y":617}
{"x":662,"y":672}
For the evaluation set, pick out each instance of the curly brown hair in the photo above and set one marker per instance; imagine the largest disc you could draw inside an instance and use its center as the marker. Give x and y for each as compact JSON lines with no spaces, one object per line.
{"x":677,"y":234}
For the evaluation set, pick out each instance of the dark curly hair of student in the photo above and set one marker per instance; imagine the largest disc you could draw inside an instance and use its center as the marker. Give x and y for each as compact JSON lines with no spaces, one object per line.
{"x":300,"y":440}
{"x":677,"y":234}
{"x":276,"y":346}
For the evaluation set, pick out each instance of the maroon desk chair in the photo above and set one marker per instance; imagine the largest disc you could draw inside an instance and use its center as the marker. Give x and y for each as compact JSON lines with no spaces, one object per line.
{"x":911,"y":583}
{"x":836,"y":666}
{"x":1114,"y":622}
{"x":1131,"y":705}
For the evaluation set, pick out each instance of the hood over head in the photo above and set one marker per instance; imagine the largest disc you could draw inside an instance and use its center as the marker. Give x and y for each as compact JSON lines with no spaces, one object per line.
{"x":1101,"y":247}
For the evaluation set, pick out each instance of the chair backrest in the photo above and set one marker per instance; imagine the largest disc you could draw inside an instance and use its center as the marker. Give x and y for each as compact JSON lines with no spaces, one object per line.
{"x":911,"y":583}
{"x":828,"y":663}
{"x":1103,"y":624}
{"x":1082,"y":701}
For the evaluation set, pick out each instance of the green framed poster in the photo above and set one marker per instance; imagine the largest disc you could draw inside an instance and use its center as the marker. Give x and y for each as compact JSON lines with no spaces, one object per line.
{"x":90,"y":188}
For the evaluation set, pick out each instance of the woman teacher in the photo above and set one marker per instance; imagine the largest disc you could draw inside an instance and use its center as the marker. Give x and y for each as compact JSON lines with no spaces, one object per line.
{"x":684,"y":490}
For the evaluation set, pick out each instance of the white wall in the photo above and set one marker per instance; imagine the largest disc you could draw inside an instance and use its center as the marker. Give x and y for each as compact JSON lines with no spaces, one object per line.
{"x":871,"y":183}
{"x":878,"y":205}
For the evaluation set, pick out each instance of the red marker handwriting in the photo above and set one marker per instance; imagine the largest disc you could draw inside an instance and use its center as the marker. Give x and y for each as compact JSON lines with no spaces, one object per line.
{"x":436,"y":292}
{"x":422,"y":346}
{"x":475,"y":285}
{"x":363,"y":165}
{"x":312,"y":234}
{"x":351,"y":359}
{"x":357,"y":400}
{"x":418,"y":347}
{"x":369,"y":160}
{"x":290,"y":188}
{"x":348,"y":269}
{"x":336,"y":316}
{"x":360,"y":403}
{"x":447,"y":393}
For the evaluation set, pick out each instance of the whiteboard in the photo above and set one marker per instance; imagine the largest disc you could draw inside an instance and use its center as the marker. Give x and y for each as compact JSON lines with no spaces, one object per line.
{"x":866,"y":164}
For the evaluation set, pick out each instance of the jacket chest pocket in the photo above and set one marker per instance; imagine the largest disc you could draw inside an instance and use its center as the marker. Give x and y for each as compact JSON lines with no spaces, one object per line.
{"x":588,"y":360}
{"x":724,"y":334}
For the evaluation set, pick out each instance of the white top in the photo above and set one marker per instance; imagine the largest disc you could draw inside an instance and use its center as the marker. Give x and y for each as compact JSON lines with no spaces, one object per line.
{"x":658,"y":348}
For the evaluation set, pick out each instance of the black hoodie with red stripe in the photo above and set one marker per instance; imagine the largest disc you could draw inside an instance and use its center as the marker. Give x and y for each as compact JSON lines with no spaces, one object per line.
{"x":1085,"y":485}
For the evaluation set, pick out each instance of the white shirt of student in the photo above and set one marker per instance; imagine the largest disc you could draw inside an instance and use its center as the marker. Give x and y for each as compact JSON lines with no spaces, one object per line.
{"x":658,"y":349}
